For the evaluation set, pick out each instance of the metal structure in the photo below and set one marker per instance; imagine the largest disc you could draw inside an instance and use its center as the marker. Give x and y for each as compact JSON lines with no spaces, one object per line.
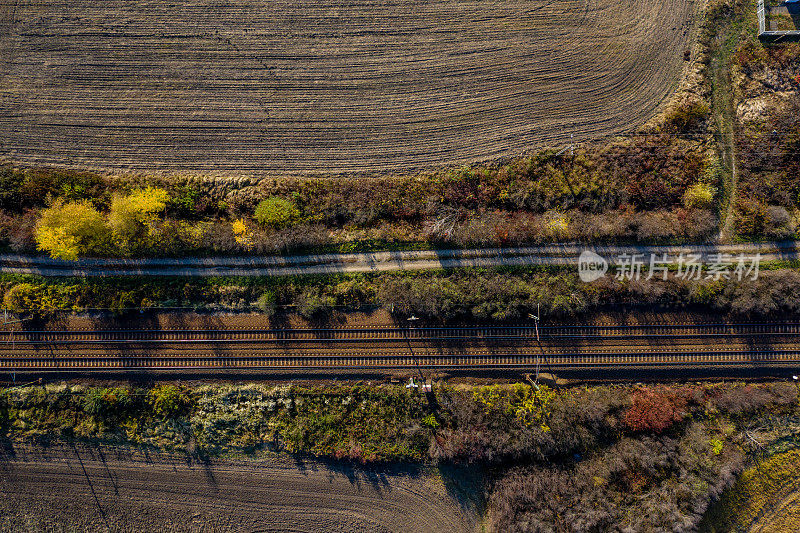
{"x":774,"y":36}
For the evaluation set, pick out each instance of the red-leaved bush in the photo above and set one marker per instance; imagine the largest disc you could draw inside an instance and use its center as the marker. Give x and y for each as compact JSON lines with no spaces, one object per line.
{"x":656,"y":409}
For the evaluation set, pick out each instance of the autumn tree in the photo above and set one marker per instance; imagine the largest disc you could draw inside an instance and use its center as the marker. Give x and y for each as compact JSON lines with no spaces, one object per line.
{"x":132,"y":216}
{"x":241,"y":233}
{"x":67,"y":230}
{"x":700,"y":195}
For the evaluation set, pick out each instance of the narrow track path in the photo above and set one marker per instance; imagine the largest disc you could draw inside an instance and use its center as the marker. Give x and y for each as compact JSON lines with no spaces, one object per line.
{"x":556,"y":254}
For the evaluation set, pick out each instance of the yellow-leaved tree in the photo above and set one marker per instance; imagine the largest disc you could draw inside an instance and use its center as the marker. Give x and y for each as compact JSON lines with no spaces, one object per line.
{"x":67,"y":230}
{"x":241,"y":233}
{"x":132,"y":216}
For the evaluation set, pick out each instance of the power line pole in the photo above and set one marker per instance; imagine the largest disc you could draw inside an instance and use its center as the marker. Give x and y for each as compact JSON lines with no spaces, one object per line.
{"x":411,"y":320}
{"x":538,"y":342}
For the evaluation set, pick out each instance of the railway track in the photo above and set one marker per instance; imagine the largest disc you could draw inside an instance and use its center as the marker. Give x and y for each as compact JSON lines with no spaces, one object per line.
{"x":762,"y":358}
{"x":511,"y":347}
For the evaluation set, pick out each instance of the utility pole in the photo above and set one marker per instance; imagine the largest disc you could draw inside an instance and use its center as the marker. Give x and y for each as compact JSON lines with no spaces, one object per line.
{"x":6,"y":321}
{"x":411,"y":321}
{"x":538,"y":342}
{"x":541,"y":356}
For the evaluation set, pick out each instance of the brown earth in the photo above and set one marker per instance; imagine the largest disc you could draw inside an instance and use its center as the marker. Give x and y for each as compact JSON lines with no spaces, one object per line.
{"x":89,"y":489}
{"x":242,"y":87}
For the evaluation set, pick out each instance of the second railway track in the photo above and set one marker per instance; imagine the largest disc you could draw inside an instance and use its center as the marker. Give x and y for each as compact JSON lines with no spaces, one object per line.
{"x":761,"y":358}
{"x":516,"y":347}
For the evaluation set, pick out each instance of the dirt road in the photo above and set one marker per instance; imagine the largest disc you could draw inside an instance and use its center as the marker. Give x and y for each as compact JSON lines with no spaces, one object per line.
{"x":557,"y":254}
{"x":87,"y":489}
{"x":245,"y":87}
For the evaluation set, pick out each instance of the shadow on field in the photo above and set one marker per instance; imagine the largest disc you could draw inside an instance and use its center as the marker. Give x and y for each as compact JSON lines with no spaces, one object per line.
{"x":794,"y":13}
{"x":464,"y":484}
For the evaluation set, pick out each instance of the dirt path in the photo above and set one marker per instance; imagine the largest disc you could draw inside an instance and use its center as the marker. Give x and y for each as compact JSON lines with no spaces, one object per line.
{"x":87,"y":489}
{"x":246,"y":87}
{"x":724,"y":118}
{"x":567,"y":255}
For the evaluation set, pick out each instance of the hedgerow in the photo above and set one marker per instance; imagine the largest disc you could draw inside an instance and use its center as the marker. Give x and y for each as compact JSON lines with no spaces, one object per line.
{"x":499,"y":295}
{"x":515,"y":201}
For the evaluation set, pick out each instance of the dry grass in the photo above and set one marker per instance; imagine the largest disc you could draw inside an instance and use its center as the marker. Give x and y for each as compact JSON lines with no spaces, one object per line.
{"x":765,"y":498}
{"x":284,"y":87}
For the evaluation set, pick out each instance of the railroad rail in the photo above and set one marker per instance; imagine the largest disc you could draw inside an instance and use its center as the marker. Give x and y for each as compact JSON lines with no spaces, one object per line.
{"x":511,"y":347}
{"x":770,"y":358}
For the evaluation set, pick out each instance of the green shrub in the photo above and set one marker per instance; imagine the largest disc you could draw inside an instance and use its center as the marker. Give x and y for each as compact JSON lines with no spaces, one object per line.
{"x":276,"y":213}
{"x":266,"y":303}
{"x":168,"y":401}
{"x":185,"y":199}
{"x":107,"y":402}
{"x":313,"y":303}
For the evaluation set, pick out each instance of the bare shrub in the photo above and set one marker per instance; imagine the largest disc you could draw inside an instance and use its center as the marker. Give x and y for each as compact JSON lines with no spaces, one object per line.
{"x":748,"y":399}
{"x":642,"y":484}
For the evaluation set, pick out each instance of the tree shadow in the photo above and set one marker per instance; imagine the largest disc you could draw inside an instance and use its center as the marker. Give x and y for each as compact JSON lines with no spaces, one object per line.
{"x":466,"y":485}
{"x":794,"y":13}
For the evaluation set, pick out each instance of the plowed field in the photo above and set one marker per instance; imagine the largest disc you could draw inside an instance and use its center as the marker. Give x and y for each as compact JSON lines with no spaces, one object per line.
{"x":85,"y":489}
{"x":243,"y":87}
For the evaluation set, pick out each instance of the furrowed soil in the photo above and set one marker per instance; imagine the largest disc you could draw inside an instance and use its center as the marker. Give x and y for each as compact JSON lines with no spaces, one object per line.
{"x":110,"y":489}
{"x":241,"y":87}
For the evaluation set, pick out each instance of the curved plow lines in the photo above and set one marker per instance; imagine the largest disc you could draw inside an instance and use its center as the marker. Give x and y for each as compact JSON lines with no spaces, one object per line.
{"x":291,"y":87}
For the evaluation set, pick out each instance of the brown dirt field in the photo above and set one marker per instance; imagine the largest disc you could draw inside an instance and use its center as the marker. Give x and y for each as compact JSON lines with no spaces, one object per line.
{"x":88,"y":489}
{"x":241,"y":87}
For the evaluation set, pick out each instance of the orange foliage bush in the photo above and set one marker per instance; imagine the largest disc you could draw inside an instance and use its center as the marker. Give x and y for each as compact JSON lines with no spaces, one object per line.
{"x":656,"y":409}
